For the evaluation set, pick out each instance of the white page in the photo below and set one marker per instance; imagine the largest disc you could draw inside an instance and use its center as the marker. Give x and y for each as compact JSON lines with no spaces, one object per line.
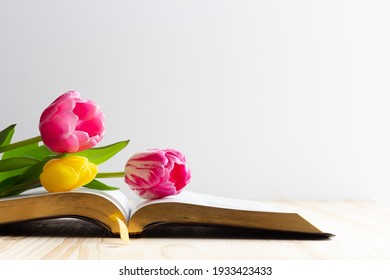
{"x":207,"y":200}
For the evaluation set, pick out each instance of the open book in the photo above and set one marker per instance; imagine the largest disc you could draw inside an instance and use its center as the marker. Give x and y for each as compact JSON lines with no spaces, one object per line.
{"x":112,"y":210}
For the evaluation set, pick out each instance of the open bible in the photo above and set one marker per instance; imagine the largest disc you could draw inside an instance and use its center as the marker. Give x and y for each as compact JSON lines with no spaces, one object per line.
{"x":113,"y":210}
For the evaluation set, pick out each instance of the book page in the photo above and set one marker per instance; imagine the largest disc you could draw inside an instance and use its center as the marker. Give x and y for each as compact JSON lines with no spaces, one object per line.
{"x":115,"y":196}
{"x":207,"y":200}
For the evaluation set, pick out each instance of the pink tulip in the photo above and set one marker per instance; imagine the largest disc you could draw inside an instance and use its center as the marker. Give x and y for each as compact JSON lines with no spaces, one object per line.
{"x":157,"y":173}
{"x":71,"y":124}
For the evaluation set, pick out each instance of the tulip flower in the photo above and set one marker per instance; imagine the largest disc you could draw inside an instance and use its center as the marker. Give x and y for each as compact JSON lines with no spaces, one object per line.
{"x":157,"y":173}
{"x":71,"y":124}
{"x":65,"y":174}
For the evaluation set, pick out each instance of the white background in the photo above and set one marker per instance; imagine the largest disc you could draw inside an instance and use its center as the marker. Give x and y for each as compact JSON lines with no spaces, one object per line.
{"x":267,"y":99}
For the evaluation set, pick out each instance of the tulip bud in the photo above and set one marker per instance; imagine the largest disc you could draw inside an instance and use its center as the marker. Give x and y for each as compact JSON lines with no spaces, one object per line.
{"x":65,"y":174}
{"x":71,"y":124}
{"x":157,"y":173}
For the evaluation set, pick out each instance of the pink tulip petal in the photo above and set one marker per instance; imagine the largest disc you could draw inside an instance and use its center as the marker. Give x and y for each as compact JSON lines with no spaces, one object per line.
{"x":71,"y":124}
{"x":94,"y":127}
{"x":178,"y":176}
{"x":157,"y":173}
{"x":86,"y":110}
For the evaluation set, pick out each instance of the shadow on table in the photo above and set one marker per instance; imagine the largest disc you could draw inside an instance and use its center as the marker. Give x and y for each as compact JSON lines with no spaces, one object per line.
{"x":70,"y":227}
{"x":63,"y":227}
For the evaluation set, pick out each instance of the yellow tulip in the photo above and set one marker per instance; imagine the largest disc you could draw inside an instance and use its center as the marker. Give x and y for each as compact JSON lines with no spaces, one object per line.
{"x":66,"y":174}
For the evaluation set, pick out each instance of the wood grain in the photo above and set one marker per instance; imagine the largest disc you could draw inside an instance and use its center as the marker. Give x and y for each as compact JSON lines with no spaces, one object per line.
{"x":362,"y":230}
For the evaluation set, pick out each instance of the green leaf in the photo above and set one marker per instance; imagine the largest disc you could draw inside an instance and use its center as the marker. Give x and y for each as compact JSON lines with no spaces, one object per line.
{"x":40,"y":154}
{"x":8,"y":174}
{"x":31,"y":150}
{"x":26,"y":178}
{"x":102,"y":154}
{"x":8,"y":182}
{"x":16,"y":163}
{"x":6,"y":135}
{"x":33,"y":172}
{"x":97,"y":185}
{"x":18,"y":188}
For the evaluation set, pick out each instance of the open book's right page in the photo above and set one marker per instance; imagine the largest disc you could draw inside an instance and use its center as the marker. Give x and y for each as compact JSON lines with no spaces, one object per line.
{"x":207,"y":200}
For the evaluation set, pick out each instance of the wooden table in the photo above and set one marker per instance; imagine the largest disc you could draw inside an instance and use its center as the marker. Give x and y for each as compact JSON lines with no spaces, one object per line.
{"x":362,"y":230}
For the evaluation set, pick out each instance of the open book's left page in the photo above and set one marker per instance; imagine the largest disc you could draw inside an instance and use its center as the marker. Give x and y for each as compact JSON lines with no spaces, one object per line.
{"x":107,"y":208}
{"x":115,"y":196}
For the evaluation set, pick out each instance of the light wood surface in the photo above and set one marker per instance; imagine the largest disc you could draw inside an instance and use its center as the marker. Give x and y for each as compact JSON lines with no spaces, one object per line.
{"x":362,"y":230}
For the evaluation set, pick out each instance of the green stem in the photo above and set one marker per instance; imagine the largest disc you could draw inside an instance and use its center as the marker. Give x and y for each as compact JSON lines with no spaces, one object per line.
{"x":20,"y":144}
{"x":110,"y":175}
